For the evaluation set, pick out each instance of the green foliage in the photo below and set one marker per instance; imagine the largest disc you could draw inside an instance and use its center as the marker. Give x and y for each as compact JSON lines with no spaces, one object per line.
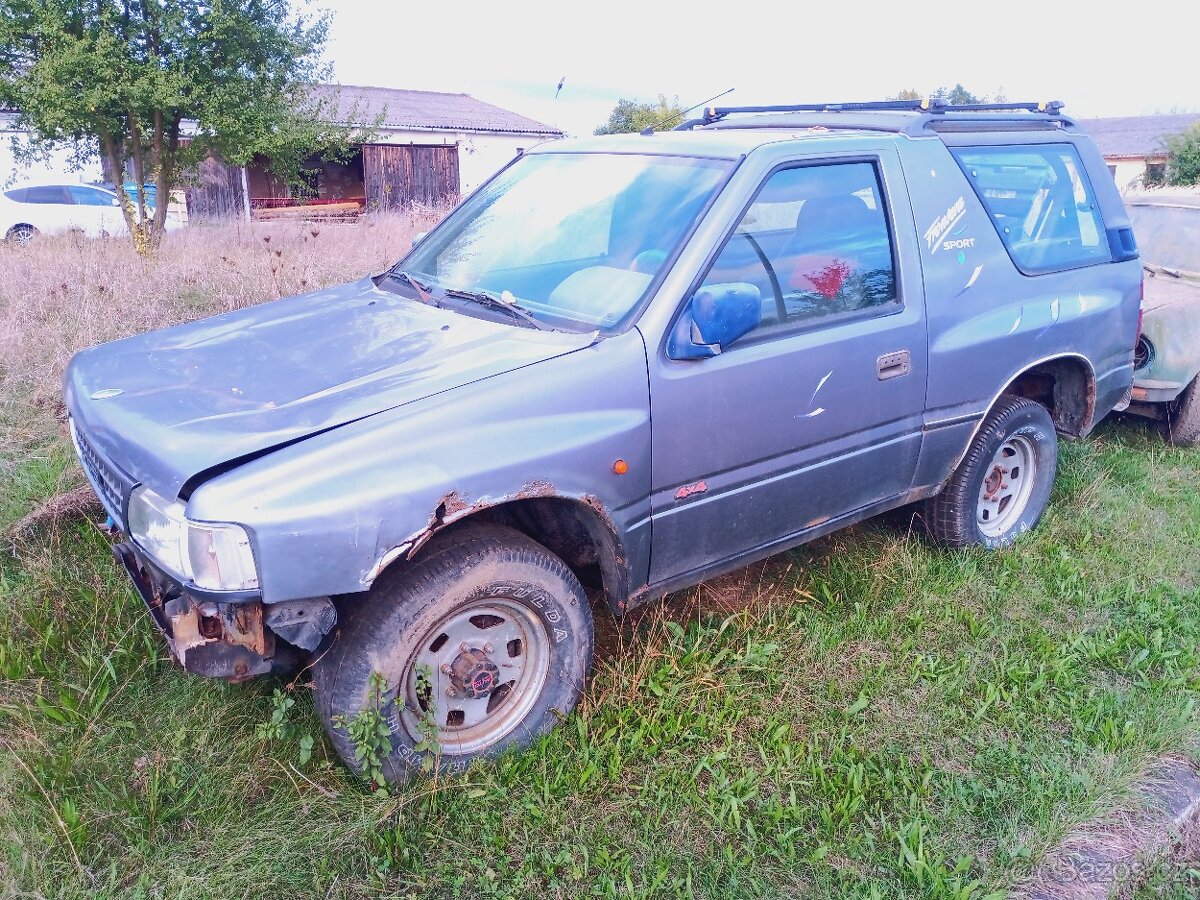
{"x":1183,"y":164}
{"x":122,"y":77}
{"x":956,"y":95}
{"x":629,"y":116}
{"x":280,"y":728}
{"x":371,"y":735}
{"x":427,"y":725}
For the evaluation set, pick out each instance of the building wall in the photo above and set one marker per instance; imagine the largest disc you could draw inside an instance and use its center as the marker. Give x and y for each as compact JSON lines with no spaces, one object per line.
{"x":480,"y":155}
{"x":398,"y":175}
{"x":1129,"y":172}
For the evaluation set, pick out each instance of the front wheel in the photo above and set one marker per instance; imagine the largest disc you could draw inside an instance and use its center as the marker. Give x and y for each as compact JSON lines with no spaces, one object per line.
{"x":478,"y":647}
{"x":21,"y":234}
{"x":1002,"y":486}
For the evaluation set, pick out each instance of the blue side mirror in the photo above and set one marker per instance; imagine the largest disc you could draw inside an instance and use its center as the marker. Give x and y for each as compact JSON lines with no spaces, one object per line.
{"x":717,"y":315}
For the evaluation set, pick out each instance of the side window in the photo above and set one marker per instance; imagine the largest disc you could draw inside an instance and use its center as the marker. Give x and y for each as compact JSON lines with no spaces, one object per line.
{"x":88,"y":196}
{"x":46,"y":194}
{"x":17,"y":195}
{"x":1041,"y":204}
{"x":815,"y":245}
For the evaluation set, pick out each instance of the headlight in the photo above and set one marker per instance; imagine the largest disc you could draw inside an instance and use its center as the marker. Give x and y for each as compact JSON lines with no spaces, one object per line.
{"x":215,"y":557}
{"x":159,"y":527}
{"x":221,"y":558}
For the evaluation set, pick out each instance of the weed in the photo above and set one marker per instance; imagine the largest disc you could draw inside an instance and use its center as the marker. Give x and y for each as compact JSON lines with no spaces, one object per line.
{"x":427,"y":726}
{"x":280,"y":728}
{"x":371,"y":735}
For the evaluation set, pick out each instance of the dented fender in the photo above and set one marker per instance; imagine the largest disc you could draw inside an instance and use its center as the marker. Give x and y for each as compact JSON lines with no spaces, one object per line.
{"x":328,"y":514}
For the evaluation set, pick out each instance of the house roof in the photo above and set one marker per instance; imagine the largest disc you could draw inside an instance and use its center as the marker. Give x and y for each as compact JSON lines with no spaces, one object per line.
{"x":356,"y":104}
{"x":1136,"y":137}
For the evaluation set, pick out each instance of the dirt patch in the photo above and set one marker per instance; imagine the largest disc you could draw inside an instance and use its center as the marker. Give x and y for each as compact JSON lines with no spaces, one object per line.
{"x":1109,"y":856}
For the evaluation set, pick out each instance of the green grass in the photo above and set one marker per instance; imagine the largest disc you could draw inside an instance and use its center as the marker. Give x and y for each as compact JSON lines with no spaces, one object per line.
{"x":866,"y":716}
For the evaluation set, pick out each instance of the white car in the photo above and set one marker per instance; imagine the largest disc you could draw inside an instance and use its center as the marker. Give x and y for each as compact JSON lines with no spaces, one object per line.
{"x":30,"y":209}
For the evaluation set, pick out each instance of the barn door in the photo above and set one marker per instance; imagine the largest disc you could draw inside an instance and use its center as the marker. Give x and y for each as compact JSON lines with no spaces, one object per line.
{"x":218,"y":192}
{"x":397,"y":176}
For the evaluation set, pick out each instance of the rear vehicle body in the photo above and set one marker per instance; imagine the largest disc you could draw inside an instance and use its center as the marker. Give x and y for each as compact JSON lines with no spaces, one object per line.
{"x":27,"y":210}
{"x":629,"y":362}
{"x":1166,"y":385}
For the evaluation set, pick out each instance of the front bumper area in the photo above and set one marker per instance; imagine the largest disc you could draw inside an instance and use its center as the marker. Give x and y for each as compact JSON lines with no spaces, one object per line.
{"x":216,"y":638}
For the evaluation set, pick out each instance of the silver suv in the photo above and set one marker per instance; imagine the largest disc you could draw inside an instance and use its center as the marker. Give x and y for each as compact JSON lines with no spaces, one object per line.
{"x":627,"y":363}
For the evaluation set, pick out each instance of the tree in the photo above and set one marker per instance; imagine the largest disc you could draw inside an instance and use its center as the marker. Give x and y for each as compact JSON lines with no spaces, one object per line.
{"x":630,"y":116}
{"x":1183,"y":160}
{"x":155,"y":86}
{"x":957,"y":95}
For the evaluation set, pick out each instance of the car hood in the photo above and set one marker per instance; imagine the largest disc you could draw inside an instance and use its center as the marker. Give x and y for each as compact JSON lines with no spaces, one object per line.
{"x":168,"y":405}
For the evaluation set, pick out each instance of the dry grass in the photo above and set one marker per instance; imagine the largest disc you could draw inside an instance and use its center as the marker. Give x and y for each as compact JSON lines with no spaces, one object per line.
{"x":64,"y":293}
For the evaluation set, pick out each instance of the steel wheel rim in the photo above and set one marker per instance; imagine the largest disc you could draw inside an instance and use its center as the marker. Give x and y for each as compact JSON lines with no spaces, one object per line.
{"x":22,"y":236}
{"x":464,"y":724}
{"x":1007,"y":486}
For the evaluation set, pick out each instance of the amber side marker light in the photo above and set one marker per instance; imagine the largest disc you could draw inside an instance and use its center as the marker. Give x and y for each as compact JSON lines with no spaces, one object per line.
{"x":620,"y":467}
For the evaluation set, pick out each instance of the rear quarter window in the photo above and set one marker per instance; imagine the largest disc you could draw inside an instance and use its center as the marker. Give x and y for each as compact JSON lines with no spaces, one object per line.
{"x":1041,"y":204}
{"x":17,"y":195}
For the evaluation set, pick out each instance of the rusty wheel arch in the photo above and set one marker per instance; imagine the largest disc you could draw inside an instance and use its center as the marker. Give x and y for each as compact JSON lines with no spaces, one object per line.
{"x":1066,"y":386}
{"x":1064,"y":383}
{"x":576,"y":529}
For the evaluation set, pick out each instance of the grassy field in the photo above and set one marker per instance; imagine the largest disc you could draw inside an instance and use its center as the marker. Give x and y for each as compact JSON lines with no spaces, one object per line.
{"x":866,"y":716}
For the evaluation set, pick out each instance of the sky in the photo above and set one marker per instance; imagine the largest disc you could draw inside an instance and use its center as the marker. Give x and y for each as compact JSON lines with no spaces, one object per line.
{"x":1100,"y":58}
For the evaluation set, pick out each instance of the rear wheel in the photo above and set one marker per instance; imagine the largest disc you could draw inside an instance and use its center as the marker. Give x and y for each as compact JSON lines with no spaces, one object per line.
{"x":21,"y":234}
{"x":480,"y":646}
{"x":1183,"y":417}
{"x":1001,"y":488}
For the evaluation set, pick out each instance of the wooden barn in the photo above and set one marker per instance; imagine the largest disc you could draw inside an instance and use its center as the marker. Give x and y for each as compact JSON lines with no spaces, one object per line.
{"x":428,"y":148}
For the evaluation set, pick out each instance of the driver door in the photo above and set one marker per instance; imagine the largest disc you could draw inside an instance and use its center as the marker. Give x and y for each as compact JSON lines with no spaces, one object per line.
{"x":816,"y":412}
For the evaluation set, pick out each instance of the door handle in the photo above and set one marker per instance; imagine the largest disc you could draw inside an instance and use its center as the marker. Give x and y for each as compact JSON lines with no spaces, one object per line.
{"x":893,"y":365}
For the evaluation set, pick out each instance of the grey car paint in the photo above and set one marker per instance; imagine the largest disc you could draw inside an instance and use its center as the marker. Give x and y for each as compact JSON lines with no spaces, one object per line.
{"x":342,"y":433}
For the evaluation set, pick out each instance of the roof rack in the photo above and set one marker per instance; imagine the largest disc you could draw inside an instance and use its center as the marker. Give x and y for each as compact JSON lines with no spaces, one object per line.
{"x":930,"y":106}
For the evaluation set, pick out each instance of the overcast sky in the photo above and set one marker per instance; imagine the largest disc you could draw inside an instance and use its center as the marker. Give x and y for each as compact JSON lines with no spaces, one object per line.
{"x":1100,"y":58}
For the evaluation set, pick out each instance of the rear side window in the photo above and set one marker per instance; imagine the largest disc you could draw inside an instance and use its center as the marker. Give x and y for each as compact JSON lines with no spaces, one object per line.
{"x":89,"y":196}
{"x":17,"y":195}
{"x":46,"y":194}
{"x":1041,"y":203}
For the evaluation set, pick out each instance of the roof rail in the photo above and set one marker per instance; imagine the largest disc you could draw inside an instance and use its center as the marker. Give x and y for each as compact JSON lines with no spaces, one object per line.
{"x":932,"y":106}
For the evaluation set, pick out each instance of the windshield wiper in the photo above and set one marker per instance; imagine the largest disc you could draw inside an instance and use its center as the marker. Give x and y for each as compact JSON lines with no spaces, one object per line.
{"x":491,"y":301}
{"x":422,"y":290}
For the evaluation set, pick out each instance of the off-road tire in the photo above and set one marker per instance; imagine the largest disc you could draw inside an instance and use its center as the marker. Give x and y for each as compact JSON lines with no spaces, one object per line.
{"x":951,"y":518}
{"x":385,"y":631}
{"x":1182,"y":424}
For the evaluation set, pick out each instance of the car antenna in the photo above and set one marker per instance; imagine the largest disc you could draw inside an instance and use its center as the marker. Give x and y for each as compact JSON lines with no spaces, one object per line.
{"x":650,"y":129}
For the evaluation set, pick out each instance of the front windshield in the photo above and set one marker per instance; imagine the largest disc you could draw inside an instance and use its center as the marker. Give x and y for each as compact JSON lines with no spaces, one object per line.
{"x":1168,"y":236}
{"x":575,"y":239}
